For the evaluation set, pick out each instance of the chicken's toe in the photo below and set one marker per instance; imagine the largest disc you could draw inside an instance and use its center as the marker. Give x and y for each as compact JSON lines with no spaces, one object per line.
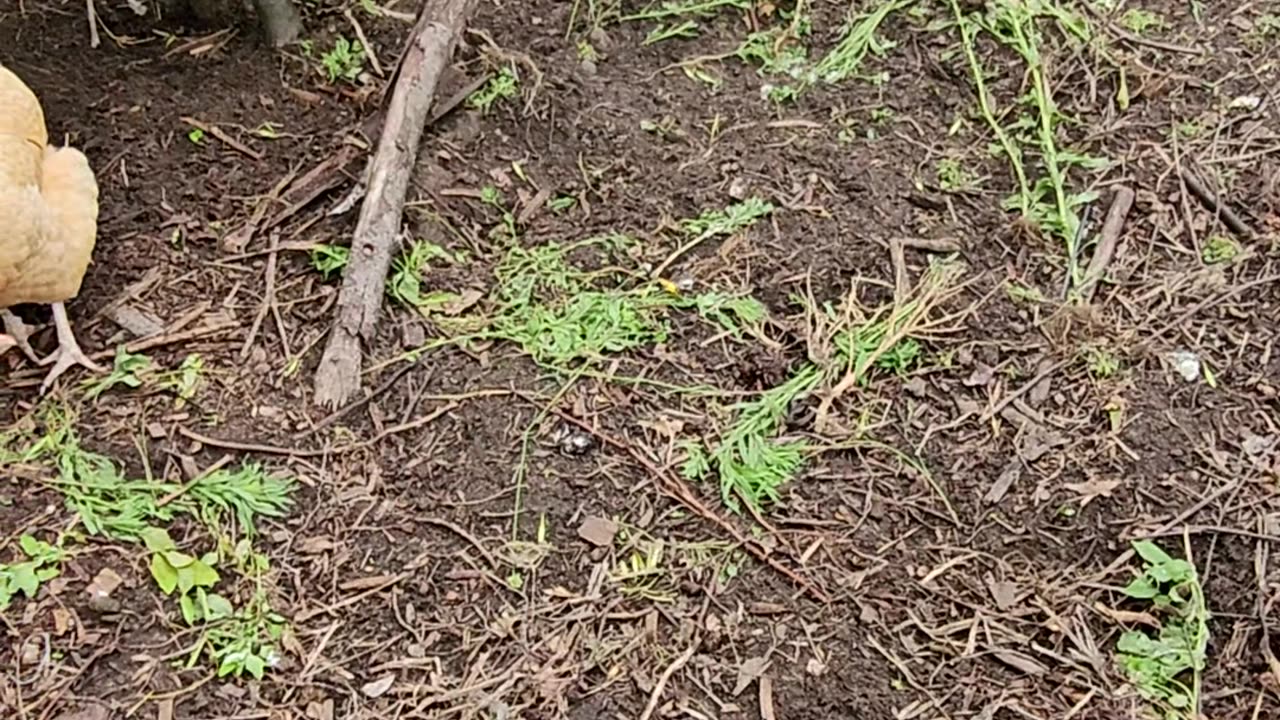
{"x":68,"y":352}
{"x":64,"y":358}
{"x":20,"y":333}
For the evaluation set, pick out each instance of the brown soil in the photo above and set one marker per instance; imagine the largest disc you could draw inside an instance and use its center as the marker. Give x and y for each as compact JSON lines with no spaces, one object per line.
{"x":948,"y":598}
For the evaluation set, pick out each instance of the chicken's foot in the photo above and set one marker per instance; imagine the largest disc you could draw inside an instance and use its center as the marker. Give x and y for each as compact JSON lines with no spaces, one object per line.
{"x":20,"y":333}
{"x":68,"y":352}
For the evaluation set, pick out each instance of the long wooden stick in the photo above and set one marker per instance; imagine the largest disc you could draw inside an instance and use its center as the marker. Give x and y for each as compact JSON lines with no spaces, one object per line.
{"x":377,"y":232}
{"x":1107,"y":241}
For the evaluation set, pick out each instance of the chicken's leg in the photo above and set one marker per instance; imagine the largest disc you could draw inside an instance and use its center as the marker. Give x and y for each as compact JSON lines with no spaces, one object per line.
{"x":20,"y":334}
{"x":68,"y":352}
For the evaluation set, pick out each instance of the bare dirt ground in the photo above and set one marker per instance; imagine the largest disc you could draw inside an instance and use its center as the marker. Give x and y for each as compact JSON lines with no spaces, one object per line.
{"x":491,"y":534}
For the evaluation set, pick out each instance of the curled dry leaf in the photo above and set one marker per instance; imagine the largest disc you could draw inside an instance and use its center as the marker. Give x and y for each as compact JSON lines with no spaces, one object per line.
{"x":751,"y":669}
{"x":378,"y":687}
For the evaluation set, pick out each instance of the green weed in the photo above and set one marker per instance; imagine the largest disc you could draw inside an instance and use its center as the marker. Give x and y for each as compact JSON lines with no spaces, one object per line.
{"x":345,"y":61}
{"x":687,"y":8}
{"x":329,"y":259}
{"x":502,"y":86}
{"x":404,"y":284}
{"x":558,"y":317}
{"x":1046,"y":202}
{"x":752,"y":463}
{"x":860,"y":38}
{"x":1265,"y":29}
{"x":953,"y":176}
{"x":722,"y":223}
{"x":1166,"y":668}
{"x":227,"y":502}
{"x":1018,"y":292}
{"x":1219,"y":249}
{"x":1139,"y":21}
{"x":1101,"y":363}
{"x":126,"y":370}
{"x":41,"y":565}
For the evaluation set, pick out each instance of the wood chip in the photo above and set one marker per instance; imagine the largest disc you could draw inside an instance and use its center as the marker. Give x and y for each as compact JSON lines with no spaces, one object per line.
{"x":104,"y":583}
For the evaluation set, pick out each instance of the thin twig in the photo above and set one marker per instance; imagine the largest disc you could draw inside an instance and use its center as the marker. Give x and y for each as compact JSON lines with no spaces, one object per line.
{"x":655,"y":697}
{"x":1215,"y":205}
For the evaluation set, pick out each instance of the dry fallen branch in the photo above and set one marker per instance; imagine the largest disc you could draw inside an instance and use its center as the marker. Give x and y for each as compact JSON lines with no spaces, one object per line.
{"x":378,"y":229}
{"x":1107,"y":241}
{"x":1215,"y":205}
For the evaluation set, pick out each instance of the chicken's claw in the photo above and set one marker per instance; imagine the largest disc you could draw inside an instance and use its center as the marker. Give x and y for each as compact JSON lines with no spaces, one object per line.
{"x":20,"y":333}
{"x":68,"y":352}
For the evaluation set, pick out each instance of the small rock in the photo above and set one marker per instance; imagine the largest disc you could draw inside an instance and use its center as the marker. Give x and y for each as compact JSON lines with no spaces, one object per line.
{"x":1186,"y":363}
{"x":600,"y":39}
{"x":577,"y":443}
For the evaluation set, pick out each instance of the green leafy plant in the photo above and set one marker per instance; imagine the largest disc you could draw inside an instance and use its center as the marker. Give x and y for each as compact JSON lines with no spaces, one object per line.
{"x":1219,"y":249}
{"x":126,"y":370}
{"x":345,"y":61}
{"x":731,"y":220}
{"x":860,"y":38}
{"x":329,"y":259}
{"x":505,"y":84}
{"x":1140,"y":21}
{"x":752,"y":463}
{"x":26,"y":576}
{"x":1046,"y":203}
{"x":1101,"y":362}
{"x":110,"y":504}
{"x":1166,"y":667}
{"x":188,"y":576}
{"x":185,"y":381}
{"x":953,"y":176}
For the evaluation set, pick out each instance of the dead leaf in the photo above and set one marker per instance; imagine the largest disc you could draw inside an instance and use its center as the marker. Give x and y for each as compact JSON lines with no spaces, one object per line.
{"x":378,"y":687}
{"x":1090,"y":489}
{"x":598,"y":531}
{"x":1012,"y":471}
{"x":316,"y":545}
{"x":1004,"y":593}
{"x":164,"y":709}
{"x":980,"y":377}
{"x":1019,"y":661}
{"x":367,"y":582}
{"x":61,"y":621}
{"x":750,"y":670}
{"x":104,"y":583}
{"x":88,"y":712}
{"x":462,"y":303}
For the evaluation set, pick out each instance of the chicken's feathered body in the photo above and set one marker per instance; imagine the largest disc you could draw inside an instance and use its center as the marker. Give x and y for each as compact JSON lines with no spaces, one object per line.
{"x":48,"y":220}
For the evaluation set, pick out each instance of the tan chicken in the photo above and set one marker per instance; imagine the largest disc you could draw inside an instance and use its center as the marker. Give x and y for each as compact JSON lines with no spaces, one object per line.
{"x":49,"y":223}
